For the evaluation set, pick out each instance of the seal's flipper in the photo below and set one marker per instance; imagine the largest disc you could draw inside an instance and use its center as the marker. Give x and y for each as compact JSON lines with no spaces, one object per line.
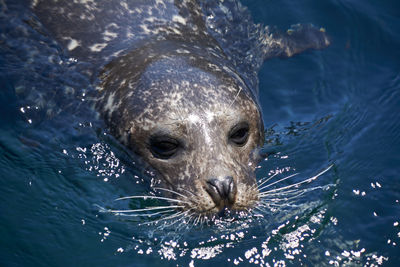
{"x":247,"y":44}
{"x":297,"y":39}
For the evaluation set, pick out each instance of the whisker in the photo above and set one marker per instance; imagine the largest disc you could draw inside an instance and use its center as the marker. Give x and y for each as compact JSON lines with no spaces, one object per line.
{"x":153,"y":197}
{"x":275,"y":205}
{"x":144,"y":215}
{"x":264,"y":209}
{"x":280,"y":193}
{"x":188,"y":191}
{"x":324,"y":171}
{"x":296,"y":184}
{"x":263,"y":194}
{"x":177,"y":220}
{"x":146,"y":209}
{"x":171,"y":191}
{"x":202,"y":220}
{"x":197,"y":219}
{"x":260,"y":208}
{"x":266,"y":179}
{"x":287,"y":187}
{"x":280,"y":180}
{"x":284,"y":199}
{"x":293,"y":191}
{"x":166,"y":218}
{"x":234,"y":99}
{"x":191,"y":217}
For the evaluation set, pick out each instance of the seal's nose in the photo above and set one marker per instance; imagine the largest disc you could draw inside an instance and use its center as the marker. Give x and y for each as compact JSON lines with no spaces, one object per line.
{"x":222,"y":191}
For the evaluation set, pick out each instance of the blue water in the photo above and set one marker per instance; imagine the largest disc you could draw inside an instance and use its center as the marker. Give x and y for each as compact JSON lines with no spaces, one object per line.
{"x":339,"y":106}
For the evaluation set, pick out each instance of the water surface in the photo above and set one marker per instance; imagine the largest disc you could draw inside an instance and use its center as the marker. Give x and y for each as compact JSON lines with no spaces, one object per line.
{"x":338,"y":106}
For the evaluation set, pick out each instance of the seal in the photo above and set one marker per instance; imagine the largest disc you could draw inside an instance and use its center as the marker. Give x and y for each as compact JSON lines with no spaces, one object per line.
{"x":178,"y":86}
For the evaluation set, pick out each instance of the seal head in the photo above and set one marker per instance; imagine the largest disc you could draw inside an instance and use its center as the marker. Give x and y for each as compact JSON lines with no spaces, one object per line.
{"x":192,"y":121}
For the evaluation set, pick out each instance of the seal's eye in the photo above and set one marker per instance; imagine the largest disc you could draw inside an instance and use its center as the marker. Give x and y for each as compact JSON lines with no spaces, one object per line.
{"x":239,"y":134}
{"x":163,"y":147}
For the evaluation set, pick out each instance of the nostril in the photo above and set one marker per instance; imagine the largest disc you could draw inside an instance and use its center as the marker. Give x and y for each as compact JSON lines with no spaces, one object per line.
{"x":222,"y":186}
{"x":221,"y":189}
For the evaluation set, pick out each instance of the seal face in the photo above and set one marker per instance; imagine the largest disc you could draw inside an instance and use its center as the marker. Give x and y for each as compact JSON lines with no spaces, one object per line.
{"x":194,"y":124}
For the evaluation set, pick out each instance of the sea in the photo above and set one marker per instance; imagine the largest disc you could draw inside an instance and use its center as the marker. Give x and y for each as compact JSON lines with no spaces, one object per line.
{"x":332,"y":156}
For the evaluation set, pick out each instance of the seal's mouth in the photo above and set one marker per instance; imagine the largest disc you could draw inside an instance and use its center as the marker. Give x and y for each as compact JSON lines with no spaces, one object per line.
{"x":224,"y":212}
{"x":181,"y":205}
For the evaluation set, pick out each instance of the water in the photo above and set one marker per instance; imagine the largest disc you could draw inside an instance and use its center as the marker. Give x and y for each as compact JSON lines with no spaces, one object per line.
{"x":337,"y":106}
